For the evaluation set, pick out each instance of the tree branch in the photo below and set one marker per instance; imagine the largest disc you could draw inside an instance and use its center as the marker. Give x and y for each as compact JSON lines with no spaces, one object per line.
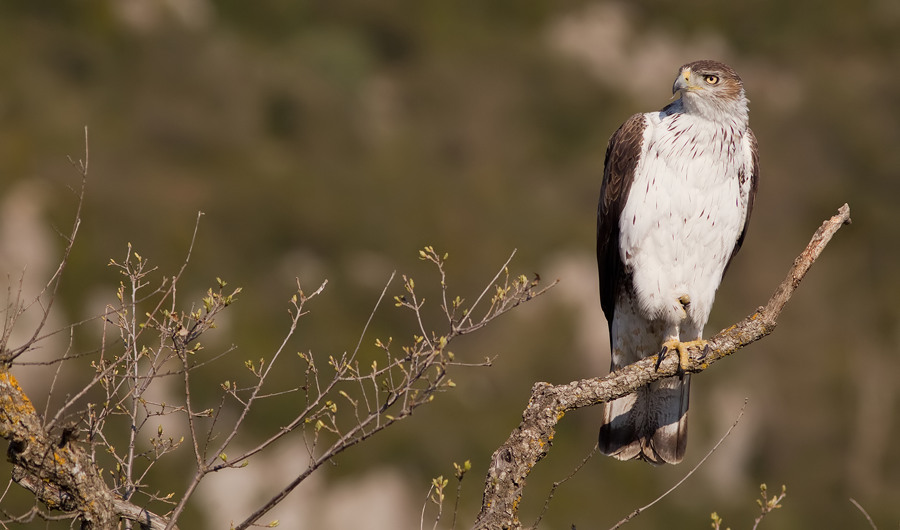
{"x":59,"y":473}
{"x":531,"y":440}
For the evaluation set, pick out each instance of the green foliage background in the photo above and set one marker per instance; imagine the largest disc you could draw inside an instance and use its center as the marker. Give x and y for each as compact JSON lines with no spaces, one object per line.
{"x":334,"y":139}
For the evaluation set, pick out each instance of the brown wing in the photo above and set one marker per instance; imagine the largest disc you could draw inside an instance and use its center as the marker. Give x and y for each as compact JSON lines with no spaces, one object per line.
{"x":622,"y":155}
{"x":754,"y":184}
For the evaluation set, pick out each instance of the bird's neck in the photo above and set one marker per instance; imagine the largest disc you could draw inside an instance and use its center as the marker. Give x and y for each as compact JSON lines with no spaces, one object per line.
{"x":732,"y":113}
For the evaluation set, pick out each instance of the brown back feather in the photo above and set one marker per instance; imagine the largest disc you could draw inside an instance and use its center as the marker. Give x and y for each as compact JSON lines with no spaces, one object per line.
{"x":622,"y":155}
{"x":754,"y":184}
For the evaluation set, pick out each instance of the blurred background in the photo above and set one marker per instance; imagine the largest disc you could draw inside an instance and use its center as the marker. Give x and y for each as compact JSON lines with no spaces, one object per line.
{"x":332,"y":140}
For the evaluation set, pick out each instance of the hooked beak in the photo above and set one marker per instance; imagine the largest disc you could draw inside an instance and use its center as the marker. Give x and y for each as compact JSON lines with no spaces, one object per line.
{"x":682,"y":82}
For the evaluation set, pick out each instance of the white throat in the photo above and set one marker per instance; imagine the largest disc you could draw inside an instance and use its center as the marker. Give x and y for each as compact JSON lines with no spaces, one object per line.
{"x":724,"y":111}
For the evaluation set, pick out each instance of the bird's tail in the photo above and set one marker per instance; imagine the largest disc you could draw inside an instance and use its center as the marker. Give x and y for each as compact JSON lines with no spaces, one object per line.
{"x":650,"y":424}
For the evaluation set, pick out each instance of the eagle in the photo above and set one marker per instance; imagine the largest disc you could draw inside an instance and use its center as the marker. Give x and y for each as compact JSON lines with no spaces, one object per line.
{"x":678,"y":188}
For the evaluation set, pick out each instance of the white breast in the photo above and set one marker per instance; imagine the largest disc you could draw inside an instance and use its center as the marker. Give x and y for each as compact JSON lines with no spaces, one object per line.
{"x":684,"y":213}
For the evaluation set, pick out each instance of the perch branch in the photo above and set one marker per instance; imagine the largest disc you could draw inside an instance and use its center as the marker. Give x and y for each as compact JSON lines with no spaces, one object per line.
{"x":531,"y":440}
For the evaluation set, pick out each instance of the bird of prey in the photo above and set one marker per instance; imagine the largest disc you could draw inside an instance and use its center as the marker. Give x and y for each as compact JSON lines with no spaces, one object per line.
{"x":678,"y":188}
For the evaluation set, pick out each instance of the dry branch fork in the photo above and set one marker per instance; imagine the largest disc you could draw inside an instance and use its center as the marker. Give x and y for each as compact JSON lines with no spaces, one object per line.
{"x":531,"y":440}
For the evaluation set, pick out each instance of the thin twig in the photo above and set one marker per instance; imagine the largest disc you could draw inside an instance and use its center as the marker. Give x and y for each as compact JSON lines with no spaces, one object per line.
{"x":557,"y":484}
{"x":767,"y":505}
{"x":638,"y":511}
{"x":864,"y":512}
{"x":424,"y":507}
{"x":485,"y":291}
{"x":53,"y":284}
{"x":55,"y":378}
{"x":421,"y":372}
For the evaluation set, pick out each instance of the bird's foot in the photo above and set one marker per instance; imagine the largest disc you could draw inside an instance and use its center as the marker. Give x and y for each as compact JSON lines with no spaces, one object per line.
{"x":682,"y":349}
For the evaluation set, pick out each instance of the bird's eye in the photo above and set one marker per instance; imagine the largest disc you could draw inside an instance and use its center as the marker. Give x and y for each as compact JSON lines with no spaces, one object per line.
{"x":711,"y":79}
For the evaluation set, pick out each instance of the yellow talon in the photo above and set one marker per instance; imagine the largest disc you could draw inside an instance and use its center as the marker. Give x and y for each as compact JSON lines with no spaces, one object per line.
{"x":682,"y":349}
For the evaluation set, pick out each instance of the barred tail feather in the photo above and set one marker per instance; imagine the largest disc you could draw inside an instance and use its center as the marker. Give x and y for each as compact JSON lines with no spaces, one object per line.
{"x":650,"y":424}
{"x":622,"y":422}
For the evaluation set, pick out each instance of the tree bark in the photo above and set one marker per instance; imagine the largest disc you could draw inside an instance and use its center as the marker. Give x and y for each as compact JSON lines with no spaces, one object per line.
{"x":531,"y":440}
{"x":57,"y":471}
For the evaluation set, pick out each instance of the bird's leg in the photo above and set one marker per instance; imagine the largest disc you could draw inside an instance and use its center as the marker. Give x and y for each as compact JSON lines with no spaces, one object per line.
{"x":682,"y":347}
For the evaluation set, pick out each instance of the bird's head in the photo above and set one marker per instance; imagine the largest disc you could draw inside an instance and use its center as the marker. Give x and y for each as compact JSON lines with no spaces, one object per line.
{"x":713,"y":90}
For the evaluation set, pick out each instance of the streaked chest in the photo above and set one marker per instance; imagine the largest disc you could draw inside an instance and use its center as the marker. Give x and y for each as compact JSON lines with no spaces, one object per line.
{"x":686,"y":187}
{"x":683,"y":151}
